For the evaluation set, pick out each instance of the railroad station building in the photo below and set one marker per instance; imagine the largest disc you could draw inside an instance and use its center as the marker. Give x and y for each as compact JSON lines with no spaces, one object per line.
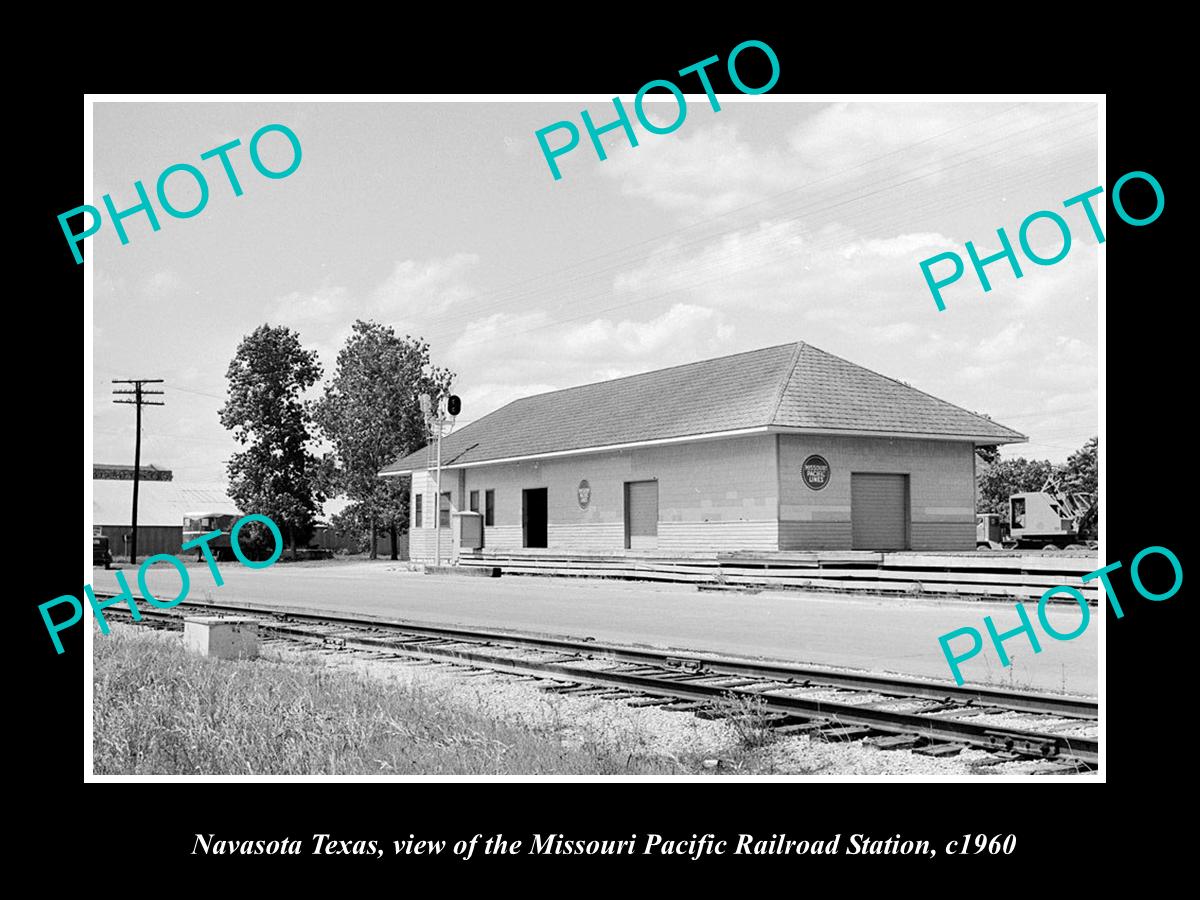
{"x":784,"y":448}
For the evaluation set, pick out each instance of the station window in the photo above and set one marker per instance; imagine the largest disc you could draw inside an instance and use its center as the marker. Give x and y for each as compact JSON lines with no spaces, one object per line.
{"x":474,"y":501}
{"x":489,"y":507}
{"x":418,"y":520}
{"x":444,"y":518}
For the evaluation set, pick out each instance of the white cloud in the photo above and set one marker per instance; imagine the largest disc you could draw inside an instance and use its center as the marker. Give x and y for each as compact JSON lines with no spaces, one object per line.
{"x":868,"y":154}
{"x":414,"y":289}
{"x":699,"y":173}
{"x":904,"y":246}
{"x":325,"y":304}
{"x":1017,"y":349}
{"x":782,"y":267}
{"x":538,"y":355}
{"x":895,"y":333}
{"x":1002,"y":345}
{"x":425,"y":287}
{"x":844,"y":136}
{"x":606,"y":340}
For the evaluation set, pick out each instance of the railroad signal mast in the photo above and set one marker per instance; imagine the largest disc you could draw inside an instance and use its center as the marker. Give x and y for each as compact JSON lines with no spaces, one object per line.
{"x":139,"y":394}
{"x":439,"y":421}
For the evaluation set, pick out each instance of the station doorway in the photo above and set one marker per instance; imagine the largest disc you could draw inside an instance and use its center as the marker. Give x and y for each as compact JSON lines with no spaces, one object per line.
{"x":534,"y":514}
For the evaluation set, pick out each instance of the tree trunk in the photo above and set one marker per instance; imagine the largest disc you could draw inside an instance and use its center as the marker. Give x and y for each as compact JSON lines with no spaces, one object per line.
{"x":395,"y":546}
{"x":374,"y":538}
{"x":292,"y":541}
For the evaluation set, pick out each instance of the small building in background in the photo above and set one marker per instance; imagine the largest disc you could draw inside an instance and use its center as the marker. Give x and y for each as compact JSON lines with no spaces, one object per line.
{"x":162,"y":504}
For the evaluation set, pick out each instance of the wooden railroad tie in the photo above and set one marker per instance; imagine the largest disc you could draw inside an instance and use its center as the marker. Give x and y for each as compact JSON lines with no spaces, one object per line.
{"x":847,"y":732}
{"x":896,"y":741}
{"x":939,"y":749}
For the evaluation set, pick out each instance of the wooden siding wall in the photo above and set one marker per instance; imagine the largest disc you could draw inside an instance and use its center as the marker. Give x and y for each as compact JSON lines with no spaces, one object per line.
{"x":422,"y":541}
{"x":713,"y":495}
{"x":941,"y":490}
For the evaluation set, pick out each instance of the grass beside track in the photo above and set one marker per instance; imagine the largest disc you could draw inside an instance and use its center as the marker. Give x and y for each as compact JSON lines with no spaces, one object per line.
{"x":159,"y":710}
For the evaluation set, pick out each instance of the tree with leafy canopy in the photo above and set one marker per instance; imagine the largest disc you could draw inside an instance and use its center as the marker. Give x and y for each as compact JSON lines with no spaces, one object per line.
{"x":1010,"y":476}
{"x":371,"y":415}
{"x":988,"y":454}
{"x":277,"y":475}
{"x":1080,"y":474}
{"x":352,"y":524}
{"x":1081,"y":470}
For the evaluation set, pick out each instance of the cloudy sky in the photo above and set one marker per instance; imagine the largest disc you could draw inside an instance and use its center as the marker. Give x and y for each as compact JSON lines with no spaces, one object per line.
{"x":763,"y":223}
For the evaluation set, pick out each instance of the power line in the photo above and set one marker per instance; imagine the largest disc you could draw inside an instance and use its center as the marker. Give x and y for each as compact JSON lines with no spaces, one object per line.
{"x":199,"y":393}
{"x":174,"y":387}
{"x":1049,"y":412}
{"x":684,"y":288}
{"x":762,"y":247}
{"x":795,"y":211}
{"x":673,"y":232}
{"x":842,"y":172}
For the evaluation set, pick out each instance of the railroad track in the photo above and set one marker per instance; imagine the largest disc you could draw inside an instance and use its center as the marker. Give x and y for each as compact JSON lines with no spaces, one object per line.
{"x":892,"y":713}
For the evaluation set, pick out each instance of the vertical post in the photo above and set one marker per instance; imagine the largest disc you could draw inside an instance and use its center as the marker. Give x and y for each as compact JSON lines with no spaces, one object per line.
{"x":437,"y":506}
{"x":137,"y":474}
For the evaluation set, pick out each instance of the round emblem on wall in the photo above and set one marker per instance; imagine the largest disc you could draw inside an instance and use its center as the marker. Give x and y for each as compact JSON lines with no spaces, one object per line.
{"x":815,"y":472}
{"x":585,"y":494}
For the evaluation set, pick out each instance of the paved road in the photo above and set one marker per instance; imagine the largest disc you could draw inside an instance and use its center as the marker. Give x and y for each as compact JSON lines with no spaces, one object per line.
{"x":882,"y":634}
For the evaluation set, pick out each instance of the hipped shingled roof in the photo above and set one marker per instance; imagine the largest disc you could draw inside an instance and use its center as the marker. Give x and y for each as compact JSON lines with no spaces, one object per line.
{"x":791,"y":386}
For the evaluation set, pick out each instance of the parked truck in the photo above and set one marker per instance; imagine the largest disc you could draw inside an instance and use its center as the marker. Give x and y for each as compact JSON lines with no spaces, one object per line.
{"x":1052,"y":519}
{"x":1049,"y":519}
{"x":198,"y":524}
{"x":991,"y":533}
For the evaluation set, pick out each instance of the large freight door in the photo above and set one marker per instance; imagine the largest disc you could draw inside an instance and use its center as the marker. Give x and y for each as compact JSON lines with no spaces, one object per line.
{"x":641,"y":515}
{"x":879,"y":511}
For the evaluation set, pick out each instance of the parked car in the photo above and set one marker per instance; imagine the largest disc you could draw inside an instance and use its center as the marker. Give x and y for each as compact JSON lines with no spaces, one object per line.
{"x":101,"y":556}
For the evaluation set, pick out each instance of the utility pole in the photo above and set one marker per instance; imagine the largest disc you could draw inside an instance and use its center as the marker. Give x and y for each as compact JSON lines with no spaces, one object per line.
{"x":139,"y":395}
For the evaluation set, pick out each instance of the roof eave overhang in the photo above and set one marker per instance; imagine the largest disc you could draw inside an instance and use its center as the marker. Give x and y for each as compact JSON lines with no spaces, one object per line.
{"x":985,"y":440}
{"x":400,"y":472}
{"x":977,"y":440}
{"x":604,"y":448}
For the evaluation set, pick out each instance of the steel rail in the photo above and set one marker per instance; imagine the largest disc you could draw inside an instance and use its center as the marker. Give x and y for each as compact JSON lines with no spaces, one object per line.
{"x":984,"y":736}
{"x":1016,"y":701}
